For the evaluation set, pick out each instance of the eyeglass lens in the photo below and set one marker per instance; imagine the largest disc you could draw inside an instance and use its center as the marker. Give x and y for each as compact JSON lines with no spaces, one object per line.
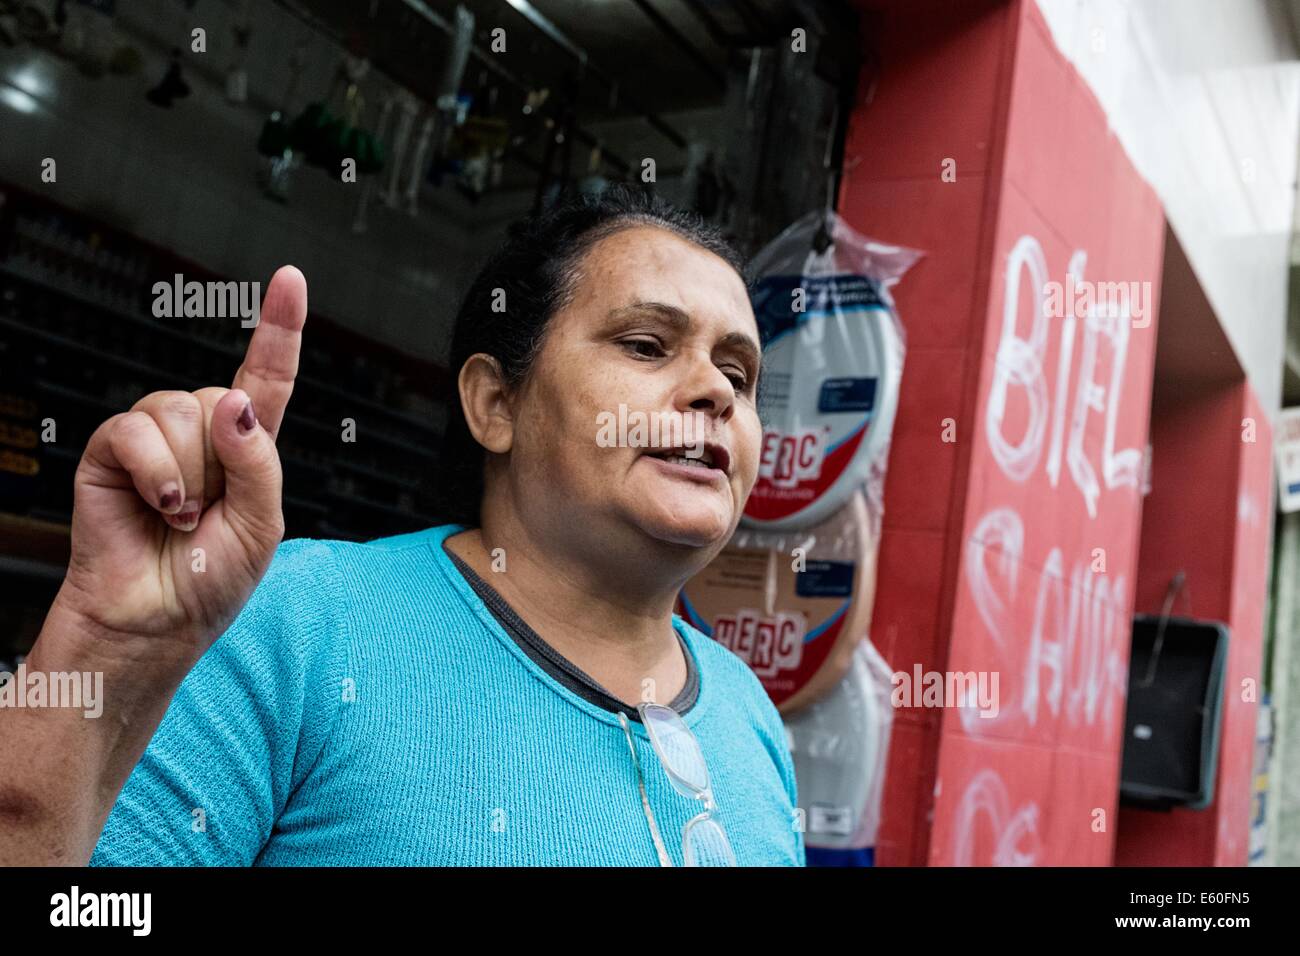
{"x":705,"y":844}
{"x":678,"y":748}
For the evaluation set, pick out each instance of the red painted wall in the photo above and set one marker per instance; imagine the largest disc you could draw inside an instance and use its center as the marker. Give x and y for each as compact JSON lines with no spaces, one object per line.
{"x":1252,"y":547}
{"x":1209,"y":515}
{"x":939,"y":92}
{"x":1014,"y":548}
{"x":1050,"y":533}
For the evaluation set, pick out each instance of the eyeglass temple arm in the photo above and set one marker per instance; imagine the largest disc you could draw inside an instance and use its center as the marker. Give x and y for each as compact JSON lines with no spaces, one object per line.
{"x":664,"y":859}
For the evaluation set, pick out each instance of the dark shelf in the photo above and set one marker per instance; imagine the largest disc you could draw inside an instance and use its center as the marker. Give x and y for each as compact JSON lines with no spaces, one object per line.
{"x":75,"y":325}
{"x":235,"y":355}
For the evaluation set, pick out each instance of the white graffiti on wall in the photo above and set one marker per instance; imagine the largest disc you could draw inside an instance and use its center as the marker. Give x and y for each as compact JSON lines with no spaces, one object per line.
{"x":1014,"y":835}
{"x":1072,"y":661}
{"x":1076,"y":640}
{"x":1020,"y":364}
{"x":1073,"y":656}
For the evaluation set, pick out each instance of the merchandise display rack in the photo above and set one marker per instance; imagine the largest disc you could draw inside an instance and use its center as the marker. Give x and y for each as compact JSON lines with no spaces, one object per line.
{"x":79,"y":341}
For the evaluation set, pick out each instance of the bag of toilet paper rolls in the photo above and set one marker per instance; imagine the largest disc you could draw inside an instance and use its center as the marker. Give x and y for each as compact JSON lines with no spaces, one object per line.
{"x":792,"y":605}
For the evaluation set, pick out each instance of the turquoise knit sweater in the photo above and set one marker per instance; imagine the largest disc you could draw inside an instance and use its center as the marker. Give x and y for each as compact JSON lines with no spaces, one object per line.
{"x":366,"y":708}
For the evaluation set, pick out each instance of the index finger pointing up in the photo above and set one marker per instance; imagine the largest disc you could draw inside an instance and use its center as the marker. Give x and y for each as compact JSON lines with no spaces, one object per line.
{"x":271,"y":362}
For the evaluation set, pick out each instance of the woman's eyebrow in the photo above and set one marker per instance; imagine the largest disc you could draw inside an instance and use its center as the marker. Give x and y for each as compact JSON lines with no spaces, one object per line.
{"x":680,"y":321}
{"x":670,"y":314}
{"x":746,"y":344}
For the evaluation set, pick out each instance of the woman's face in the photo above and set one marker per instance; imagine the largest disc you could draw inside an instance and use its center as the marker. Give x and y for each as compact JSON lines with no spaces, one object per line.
{"x":664,"y":329}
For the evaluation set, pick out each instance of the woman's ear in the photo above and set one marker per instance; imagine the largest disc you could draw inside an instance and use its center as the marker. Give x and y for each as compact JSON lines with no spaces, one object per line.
{"x":485,"y":400}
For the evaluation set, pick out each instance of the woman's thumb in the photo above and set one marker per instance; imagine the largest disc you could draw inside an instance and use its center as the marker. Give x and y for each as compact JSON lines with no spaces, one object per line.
{"x":252,"y":466}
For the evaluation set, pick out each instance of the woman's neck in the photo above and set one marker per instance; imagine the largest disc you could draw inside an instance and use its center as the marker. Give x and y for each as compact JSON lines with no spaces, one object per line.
{"x":587,"y":608}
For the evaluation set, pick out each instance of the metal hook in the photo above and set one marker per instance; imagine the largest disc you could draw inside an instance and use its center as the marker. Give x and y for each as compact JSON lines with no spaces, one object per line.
{"x":1175,"y":585}
{"x":824,"y":238}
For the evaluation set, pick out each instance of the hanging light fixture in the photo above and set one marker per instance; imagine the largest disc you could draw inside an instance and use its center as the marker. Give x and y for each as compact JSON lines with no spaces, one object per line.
{"x":172,"y":86}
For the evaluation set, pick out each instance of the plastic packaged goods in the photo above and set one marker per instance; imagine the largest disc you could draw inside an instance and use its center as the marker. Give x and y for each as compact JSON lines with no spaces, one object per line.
{"x":792,"y":592}
{"x":833,"y":350}
{"x":840,"y":745}
{"x":792,"y":605}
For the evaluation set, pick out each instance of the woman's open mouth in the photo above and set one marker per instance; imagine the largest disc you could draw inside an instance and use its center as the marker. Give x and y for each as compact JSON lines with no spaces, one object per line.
{"x":707,"y":463}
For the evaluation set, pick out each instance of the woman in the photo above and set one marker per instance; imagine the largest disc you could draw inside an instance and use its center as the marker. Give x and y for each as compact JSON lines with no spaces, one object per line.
{"x":504,"y":689}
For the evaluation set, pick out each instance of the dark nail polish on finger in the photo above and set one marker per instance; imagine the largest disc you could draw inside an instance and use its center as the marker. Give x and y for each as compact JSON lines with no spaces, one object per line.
{"x":187,"y":520}
{"x":246,"y":419}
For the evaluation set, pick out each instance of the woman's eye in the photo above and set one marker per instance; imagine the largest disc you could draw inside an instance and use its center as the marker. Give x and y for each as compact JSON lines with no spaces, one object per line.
{"x":648,"y":348}
{"x":739,"y":377}
{"x":739,"y":380}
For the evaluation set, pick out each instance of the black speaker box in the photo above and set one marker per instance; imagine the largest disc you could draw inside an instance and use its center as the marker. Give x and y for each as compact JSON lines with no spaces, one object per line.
{"x":1171,"y":723}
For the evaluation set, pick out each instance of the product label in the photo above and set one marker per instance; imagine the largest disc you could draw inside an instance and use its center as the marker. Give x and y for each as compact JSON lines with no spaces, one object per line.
{"x":786,"y":461}
{"x":847,"y":395}
{"x":826,"y":579}
{"x":837,"y":821}
{"x":768,"y":645}
{"x":782,"y":303}
{"x":823,"y":357}
{"x":781,"y":622}
{"x":796,"y":469}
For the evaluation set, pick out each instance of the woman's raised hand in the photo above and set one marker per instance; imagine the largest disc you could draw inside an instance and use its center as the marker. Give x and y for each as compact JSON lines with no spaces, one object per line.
{"x":177,"y":510}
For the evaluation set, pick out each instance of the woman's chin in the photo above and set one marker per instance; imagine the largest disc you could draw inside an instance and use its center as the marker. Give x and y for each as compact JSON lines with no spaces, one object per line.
{"x":675,"y":510}
{"x":693,"y":526}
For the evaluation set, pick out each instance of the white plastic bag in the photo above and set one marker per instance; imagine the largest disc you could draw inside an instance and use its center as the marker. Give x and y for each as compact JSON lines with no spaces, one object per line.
{"x":840,"y":745}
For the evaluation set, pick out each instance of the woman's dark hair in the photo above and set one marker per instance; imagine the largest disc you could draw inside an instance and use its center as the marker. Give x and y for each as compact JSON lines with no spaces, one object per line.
{"x":535,"y":274}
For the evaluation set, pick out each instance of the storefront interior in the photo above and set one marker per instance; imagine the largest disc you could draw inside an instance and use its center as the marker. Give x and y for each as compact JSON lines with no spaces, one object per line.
{"x":157,"y":139}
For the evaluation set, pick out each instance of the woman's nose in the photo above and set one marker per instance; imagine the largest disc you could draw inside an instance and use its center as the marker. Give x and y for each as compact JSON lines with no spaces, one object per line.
{"x":708,"y":389}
